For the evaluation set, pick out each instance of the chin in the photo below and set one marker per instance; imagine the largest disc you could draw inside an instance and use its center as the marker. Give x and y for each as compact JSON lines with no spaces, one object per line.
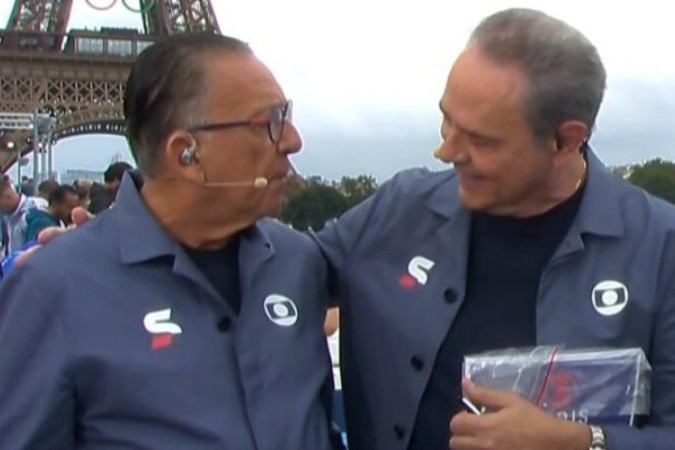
{"x":473,"y":202}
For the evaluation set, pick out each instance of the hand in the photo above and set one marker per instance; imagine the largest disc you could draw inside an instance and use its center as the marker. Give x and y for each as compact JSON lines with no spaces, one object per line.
{"x":79,"y":216}
{"x":512,"y":423}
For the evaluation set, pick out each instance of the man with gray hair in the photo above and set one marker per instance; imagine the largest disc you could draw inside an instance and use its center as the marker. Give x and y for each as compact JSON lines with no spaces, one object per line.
{"x":504,"y":250}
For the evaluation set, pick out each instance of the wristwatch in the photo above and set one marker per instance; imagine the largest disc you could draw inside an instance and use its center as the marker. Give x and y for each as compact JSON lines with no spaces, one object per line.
{"x":597,"y":438}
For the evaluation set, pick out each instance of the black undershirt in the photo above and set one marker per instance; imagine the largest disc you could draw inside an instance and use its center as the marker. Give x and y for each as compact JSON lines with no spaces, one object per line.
{"x":221,"y":268}
{"x":506,"y":259}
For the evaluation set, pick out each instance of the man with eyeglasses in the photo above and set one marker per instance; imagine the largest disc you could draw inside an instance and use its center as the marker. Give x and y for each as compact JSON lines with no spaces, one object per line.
{"x":181,"y":318}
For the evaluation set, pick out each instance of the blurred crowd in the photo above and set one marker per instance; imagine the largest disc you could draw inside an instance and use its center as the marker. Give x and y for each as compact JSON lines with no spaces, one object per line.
{"x":26,"y":209}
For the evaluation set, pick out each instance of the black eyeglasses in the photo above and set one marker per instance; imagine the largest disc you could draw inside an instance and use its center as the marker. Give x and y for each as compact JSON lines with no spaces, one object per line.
{"x":274,"y":120}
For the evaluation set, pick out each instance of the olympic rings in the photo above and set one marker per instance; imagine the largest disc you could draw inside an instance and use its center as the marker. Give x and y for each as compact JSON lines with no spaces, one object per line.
{"x":100,"y":8}
{"x":143,"y":9}
{"x":150,"y":4}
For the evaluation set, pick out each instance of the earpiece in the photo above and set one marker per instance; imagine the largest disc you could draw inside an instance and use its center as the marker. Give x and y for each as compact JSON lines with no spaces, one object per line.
{"x":189,"y":155}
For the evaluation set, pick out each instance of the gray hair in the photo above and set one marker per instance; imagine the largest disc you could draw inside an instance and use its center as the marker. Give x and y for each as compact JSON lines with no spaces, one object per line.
{"x":166,"y":88}
{"x":566,"y":78}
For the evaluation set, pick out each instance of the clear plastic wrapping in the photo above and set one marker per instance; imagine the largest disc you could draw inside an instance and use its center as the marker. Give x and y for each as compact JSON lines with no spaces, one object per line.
{"x":597,"y":386}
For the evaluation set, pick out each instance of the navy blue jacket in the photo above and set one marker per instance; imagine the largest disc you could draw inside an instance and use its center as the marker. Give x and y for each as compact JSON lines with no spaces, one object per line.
{"x":400,"y":260}
{"x":111,"y":338}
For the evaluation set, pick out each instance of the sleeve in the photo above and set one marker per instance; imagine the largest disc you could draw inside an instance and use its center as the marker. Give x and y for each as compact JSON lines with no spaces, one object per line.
{"x":340,"y":236}
{"x":37,"y":403}
{"x":658,"y":433}
{"x":336,"y":240}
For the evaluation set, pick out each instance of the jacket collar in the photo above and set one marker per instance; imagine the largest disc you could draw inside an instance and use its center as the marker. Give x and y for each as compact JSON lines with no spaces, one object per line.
{"x":599,"y":212}
{"x":142,"y":238}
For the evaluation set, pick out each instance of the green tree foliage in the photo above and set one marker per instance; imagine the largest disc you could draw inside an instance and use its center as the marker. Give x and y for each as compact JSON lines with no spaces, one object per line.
{"x":314,"y":201}
{"x":357,"y":189}
{"x":313,"y":205}
{"x":622,"y":171}
{"x":656,"y":177}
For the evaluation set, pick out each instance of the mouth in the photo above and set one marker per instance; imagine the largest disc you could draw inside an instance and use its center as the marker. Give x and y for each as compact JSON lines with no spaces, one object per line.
{"x":469,"y":182}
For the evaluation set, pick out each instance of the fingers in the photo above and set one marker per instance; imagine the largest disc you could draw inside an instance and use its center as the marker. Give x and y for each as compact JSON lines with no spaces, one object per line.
{"x":467,"y":443}
{"x":49,"y":234}
{"x":464,"y":424}
{"x":492,"y":399}
{"x":470,"y":431}
{"x":80,"y":216}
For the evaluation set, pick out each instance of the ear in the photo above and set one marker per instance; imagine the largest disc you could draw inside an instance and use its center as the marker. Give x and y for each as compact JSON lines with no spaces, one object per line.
{"x":570,"y":137}
{"x":174,"y":146}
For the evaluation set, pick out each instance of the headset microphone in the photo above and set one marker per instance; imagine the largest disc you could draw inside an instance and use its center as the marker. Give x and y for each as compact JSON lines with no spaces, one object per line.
{"x":258,"y":183}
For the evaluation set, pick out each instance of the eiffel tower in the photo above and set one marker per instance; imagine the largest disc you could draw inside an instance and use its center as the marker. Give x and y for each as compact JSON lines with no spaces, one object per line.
{"x":75,"y":80}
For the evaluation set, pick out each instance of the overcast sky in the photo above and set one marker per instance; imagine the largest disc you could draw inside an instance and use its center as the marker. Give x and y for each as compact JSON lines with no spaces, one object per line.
{"x":366,"y":75}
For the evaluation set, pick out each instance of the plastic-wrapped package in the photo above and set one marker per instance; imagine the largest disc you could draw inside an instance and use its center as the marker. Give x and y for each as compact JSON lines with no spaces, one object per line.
{"x":598,"y":386}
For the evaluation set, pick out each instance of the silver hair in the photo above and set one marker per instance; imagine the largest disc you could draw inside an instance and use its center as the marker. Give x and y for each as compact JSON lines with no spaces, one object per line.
{"x":566,"y":78}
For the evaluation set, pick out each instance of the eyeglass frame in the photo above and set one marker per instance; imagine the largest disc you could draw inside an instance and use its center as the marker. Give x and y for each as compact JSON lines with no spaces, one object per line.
{"x":286,"y":114}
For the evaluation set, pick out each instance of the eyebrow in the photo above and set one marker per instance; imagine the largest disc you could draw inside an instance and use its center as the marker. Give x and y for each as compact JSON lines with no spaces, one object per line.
{"x":471,"y":133}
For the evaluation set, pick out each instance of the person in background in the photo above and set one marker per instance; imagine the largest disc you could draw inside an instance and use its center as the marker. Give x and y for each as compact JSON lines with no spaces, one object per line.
{"x":102,"y":196}
{"x":27,"y":187}
{"x":82,"y":188}
{"x":62,"y":201}
{"x":45,"y":189}
{"x":13,"y":209}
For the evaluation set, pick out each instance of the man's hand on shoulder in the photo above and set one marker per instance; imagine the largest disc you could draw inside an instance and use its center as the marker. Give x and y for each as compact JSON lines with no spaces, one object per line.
{"x":79,"y":217}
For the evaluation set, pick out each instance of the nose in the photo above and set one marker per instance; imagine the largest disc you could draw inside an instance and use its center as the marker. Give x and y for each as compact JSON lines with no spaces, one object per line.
{"x":452,"y":149}
{"x":290,"y":142}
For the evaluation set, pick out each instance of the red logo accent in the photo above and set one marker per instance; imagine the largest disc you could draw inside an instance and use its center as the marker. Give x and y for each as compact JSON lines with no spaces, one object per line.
{"x":160,"y":341}
{"x":562,"y":390}
{"x":407,"y":281}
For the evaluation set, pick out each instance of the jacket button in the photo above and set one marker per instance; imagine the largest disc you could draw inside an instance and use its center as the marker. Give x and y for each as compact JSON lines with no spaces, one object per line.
{"x":399,"y":431}
{"x":224,"y":324}
{"x":417,"y":362}
{"x":450,"y":295}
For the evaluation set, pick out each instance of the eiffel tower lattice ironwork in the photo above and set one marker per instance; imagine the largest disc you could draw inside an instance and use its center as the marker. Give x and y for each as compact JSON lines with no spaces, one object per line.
{"x":78,"y":77}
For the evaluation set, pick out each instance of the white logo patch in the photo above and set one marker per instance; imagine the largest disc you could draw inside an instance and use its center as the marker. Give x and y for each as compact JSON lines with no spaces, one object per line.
{"x":281,"y":310}
{"x":418,"y":268}
{"x":609,"y":297}
{"x":157,"y":322}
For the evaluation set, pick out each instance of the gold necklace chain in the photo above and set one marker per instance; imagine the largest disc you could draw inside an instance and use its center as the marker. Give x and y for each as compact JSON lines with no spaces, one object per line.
{"x":582,"y":177}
